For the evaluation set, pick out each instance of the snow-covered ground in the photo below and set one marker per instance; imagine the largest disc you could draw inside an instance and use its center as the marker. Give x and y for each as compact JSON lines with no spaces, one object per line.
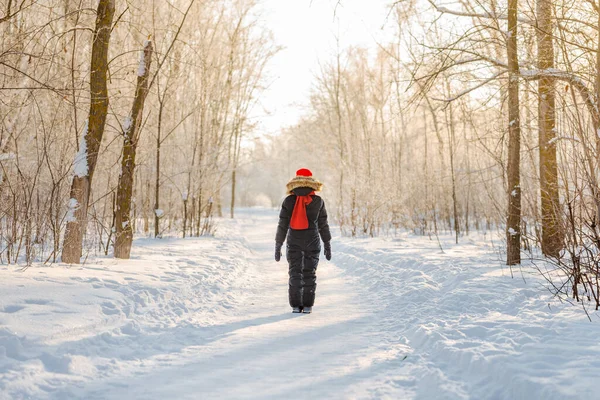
{"x":209,"y":319}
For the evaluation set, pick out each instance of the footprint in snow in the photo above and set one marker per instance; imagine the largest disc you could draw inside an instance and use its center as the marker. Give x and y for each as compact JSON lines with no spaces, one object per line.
{"x":12,"y":309}
{"x":109,"y":308}
{"x":39,"y":302}
{"x":56,"y":364}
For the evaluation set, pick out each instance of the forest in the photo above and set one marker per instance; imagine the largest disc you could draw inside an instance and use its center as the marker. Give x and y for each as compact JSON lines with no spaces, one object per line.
{"x":122,"y":118}
{"x":150,"y":100}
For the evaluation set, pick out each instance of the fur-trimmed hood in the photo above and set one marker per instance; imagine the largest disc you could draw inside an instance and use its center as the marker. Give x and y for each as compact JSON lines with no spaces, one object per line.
{"x":303,"y":181}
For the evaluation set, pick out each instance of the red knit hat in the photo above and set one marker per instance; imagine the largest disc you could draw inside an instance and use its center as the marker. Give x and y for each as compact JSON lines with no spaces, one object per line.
{"x":303,"y":178}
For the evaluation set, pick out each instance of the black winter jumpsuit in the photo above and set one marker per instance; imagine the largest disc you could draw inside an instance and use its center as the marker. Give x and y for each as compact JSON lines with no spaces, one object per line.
{"x":303,"y":246}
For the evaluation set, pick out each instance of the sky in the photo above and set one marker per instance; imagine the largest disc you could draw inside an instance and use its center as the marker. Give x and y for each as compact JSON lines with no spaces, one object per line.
{"x":306,"y":29}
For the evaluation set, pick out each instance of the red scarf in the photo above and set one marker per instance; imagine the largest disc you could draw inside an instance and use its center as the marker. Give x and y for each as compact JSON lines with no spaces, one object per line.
{"x":299,"y":219}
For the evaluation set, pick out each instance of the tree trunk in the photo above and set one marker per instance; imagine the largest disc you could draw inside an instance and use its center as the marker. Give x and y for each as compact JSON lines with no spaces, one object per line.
{"x":341,"y":144}
{"x":199,"y":216}
{"x":185,"y":215}
{"x":145,"y":208}
{"x":596,"y":120}
{"x":451,"y":140}
{"x":426,"y":171}
{"x":218,"y":202}
{"x":157,"y":183}
{"x":468,"y":168}
{"x":552,"y":237}
{"x":513,"y":223}
{"x":86,"y":159}
{"x":233,"y":180}
{"x":131,"y":127}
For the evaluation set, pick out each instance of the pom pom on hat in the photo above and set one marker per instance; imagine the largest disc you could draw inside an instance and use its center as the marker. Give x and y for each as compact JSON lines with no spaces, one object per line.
{"x":303,"y":172}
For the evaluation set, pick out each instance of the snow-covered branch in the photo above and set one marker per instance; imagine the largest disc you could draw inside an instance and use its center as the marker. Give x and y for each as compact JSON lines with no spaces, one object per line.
{"x":586,"y":93}
{"x":483,"y":15}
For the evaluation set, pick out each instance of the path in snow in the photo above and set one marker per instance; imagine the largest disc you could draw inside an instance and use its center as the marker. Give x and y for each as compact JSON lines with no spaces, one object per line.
{"x":208,"y":318}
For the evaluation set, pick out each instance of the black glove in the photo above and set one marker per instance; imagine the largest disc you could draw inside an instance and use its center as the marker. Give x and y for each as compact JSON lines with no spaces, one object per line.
{"x":327,"y":246}
{"x":278,"y":251}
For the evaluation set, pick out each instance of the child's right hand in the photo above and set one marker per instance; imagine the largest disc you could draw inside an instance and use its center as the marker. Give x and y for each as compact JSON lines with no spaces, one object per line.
{"x":327,"y":251}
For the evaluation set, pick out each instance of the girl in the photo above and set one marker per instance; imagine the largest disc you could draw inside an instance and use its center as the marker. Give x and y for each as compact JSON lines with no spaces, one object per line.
{"x":303,"y":219}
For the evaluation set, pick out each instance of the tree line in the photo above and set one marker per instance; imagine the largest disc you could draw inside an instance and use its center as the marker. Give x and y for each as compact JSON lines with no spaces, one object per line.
{"x":121,"y":116}
{"x":478,"y":115}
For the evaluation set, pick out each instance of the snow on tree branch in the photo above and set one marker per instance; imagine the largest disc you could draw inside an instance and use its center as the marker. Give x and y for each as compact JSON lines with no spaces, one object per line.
{"x":484,"y":15}
{"x":80,"y":167}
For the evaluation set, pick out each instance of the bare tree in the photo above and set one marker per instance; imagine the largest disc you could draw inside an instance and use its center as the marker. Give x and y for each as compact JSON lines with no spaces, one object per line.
{"x":513,"y":223}
{"x":86,"y":158}
{"x":131,"y":134}
{"x":549,"y":187}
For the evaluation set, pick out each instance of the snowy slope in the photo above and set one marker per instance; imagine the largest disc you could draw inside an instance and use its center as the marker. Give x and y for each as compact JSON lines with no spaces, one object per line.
{"x":208,"y":318}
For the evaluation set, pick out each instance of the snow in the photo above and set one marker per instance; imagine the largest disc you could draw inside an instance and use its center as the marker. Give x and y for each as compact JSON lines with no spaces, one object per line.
{"x":512,"y":232}
{"x":159,"y":213}
{"x":127,"y":123}
{"x":529,"y":73}
{"x":80,"y":167}
{"x":71,"y":208}
{"x":7,"y":156}
{"x":208,"y":318}
{"x":142,"y":66}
